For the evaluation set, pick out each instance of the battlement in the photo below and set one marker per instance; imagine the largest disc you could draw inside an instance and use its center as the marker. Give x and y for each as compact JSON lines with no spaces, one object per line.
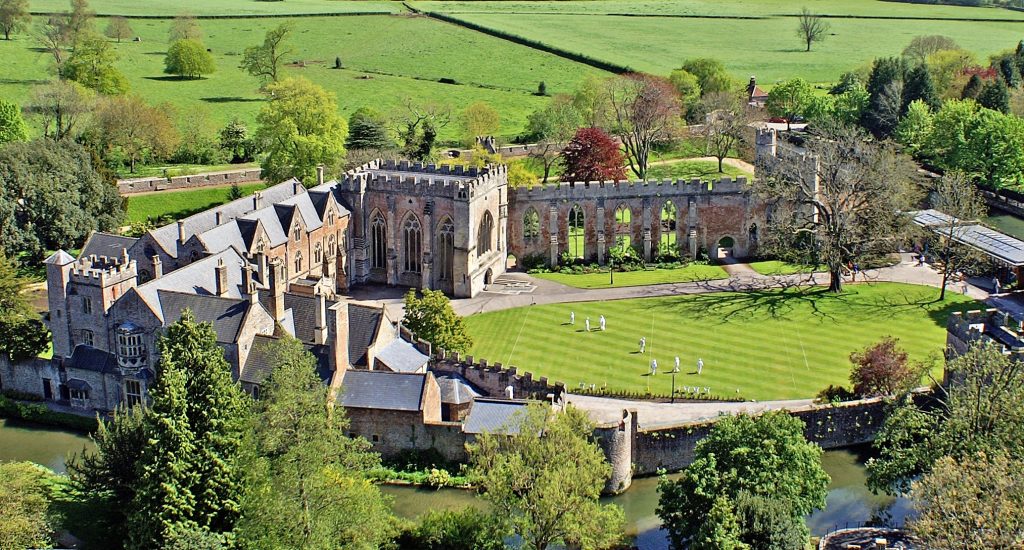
{"x":103,"y":270}
{"x":990,"y":324}
{"x":493,"y":379}
{"x":422,"y":179}
{"x":625,"y":188}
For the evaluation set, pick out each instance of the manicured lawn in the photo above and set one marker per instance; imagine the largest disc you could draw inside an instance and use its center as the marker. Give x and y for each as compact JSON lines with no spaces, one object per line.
{"x":776,"y":267}
{"x":387,"y":61}
{"x":778,"y":344}
{"x":690,"y":169}
{"x":179,"y":204}
{"x":767,"y":48}
{"x":694,"y":272}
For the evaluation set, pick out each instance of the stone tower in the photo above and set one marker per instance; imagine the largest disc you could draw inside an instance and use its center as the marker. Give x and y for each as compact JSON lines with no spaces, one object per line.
{"x":58,"y":275}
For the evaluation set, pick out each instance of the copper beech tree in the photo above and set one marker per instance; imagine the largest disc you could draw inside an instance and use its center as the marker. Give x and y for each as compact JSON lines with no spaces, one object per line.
{"x":592,"y":155}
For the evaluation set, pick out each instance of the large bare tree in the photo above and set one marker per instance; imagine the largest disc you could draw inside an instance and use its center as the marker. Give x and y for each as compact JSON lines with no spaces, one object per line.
{"x":956,"y":196}
{"x":724,"y":125}
{"x":811,"y":27}
{"x":553,"y":127}
{"x":836,"y":203}
{"x":643,"y":110}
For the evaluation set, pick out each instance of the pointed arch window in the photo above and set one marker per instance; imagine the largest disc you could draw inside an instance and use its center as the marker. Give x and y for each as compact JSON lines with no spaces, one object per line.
{"x":531,"y":226}
{"x":378,"y":242}
{"x":298,"y":262}
{"x":446,"y":249}
{"x":318,"y":254}
{"x":412,"y":244}
{"x":485,"y":239}
{"x":577,"y":224}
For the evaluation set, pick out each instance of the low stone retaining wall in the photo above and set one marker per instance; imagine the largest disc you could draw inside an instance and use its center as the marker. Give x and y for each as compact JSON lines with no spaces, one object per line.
{"x":211,"y":179}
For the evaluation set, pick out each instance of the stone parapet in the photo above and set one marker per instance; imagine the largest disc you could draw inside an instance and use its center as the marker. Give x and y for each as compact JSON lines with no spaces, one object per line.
{"x":211,"y":179}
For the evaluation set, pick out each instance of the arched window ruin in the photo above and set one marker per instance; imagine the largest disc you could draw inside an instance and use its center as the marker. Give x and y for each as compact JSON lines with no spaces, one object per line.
{"x":378,"y":241}
{"x":577,"y":232}
{"x":623,"y":229}
{"x":668,"y":239}
{"x":531,"y":226}
{"x":445,"y":250}
{"x":485,"y":239}
{"x":412,"y":244}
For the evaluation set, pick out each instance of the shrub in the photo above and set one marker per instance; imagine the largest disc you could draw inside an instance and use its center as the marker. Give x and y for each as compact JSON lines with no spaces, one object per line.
{"x":41,"y":414}
{"x":835,"y":394}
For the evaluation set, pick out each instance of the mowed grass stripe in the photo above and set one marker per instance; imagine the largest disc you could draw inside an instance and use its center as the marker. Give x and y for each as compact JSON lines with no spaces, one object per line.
{"x":768,"y":345}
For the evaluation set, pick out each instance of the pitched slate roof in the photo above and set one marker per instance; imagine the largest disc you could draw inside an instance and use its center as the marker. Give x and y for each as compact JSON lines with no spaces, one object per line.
{"x":225,"y":314}
{"x":493,"y":416}
{"x":105,"y":244}
{"x":363,"y":322}
{"x":304,"y":311}
{"x":59,"y":258}
{"x":92,"y":359}
{"x":199,"y":277}
{"x":259,"y":364}
{"x":393,"y":391}
{"x":167,"y":236}
{"x":78,"y":384}
{"x":455,"y":389}
{"x":223,"y":236}
{"x":401,"y":356}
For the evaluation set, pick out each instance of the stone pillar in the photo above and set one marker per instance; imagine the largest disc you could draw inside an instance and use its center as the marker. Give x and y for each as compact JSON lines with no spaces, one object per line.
{"x":427,"y":237}
{"x":601,"y":227}
{"x":600,"y":247}
{"x":393,"y":243}
{"x":554,"y":230}
{"x":645,"y":226}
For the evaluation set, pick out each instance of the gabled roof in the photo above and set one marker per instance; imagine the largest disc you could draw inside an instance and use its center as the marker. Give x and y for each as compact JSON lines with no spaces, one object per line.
{"x":304,"y":312}
{"x":222,"y":236}
{"x":363,"y":323}
{"x":393,"y":391}
{"x":167,"y":235}
{"x":401,"y":356}
{"x":493,"y":416}
{"x":60,"y":258}
{"x":455,"y":390}
{"x":259,"y":365}
{"x":88,"y":358}
{"x":106,"y":244}
{"x":225,"y":314}
{"x":199,"y":277}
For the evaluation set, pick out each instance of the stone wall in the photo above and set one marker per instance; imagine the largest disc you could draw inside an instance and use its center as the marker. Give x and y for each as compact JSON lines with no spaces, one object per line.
{"x":391,"y":432}
{"x":493,"y":379}
{"x":28,"y":376}
{"x":830,"y":426}
{"x":144,"y":185}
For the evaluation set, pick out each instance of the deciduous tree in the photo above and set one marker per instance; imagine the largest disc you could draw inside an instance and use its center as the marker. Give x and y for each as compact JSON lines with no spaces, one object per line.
{"x":91,"y":64}
{"x":264,"y":61}
{"x":308,"y":483}
{"x":711,"y":75}
{"x":724,"y":126}
{"x":981,"y":411}
{"x":790,"y":99}
{"x":914,"y":128}
{"x":51,"y":197}
{"x":126,"y":124}
{"x":544,"y":482}
{"x":189,"y":473}
{"x":811,"y":28}
{"x":25,"y":493}
{"x":687,"y":84}
{"x":976,"y":501}
{"x":118,"y":28}
{"x":956,"y":196}
{"x":22,"y":334}
{"x":59,"y":105}
{"x":188,"y":58}
{"x":234,"y":138}
{"x":14,"y":16}
{"x":592,"y":155}
{"x":418,"y":126}
{"x":433,"y":319}
{"x":644,"y":110}
{"x":553,"y":127}
{"x":299,"y":130}
{"x":184,"y":27}
{"x":12,"y":125}
{"x":920,"y":47}
{"x":479,"y":120}
{"x":764,"y":457}
{"x":882,"y":369}
{"x":839,"y":205}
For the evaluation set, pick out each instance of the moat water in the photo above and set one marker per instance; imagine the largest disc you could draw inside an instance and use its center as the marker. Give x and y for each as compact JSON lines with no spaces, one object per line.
{"x":848,"y":501}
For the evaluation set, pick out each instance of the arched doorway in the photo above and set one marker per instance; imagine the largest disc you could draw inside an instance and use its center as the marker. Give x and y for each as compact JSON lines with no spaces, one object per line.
{"x":724,"y":249}
{"x":488,"y":276}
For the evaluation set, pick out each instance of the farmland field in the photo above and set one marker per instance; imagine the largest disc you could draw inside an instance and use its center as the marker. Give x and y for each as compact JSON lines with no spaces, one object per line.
{"x":221,"y":7}
{"x":768,"y":345}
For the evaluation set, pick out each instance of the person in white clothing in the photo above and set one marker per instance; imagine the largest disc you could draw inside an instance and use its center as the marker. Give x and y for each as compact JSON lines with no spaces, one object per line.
{"x":601,"y":321}
{"x":643,"y":343}
{"x":572,"y":317}
{"x":588,"y":324}
{"x":700,"y":365}
{"x":677,"y":364}
{"x":654,"y":367}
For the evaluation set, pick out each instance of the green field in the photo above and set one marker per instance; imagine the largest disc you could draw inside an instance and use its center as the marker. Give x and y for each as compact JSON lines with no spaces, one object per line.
{"x":767,"y":48}
{"x":776,"y":267}
{"x":387,"y":60}
{"x":172,"y":8}
{"x":179,"y":204}
{"x":689,"y":169}
{"x":694,"y":272}
{"x":777,"y":344}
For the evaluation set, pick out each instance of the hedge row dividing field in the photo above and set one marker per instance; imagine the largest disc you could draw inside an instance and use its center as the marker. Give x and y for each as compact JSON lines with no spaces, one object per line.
{"x":777,"y":344}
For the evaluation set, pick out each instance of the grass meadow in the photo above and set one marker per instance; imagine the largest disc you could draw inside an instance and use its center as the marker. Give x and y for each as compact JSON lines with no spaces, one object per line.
{"x":170,"y":8}
{"x":180,"y":204}
{"x":689,"y":169}
{"x":776,"y":344}
{"x":387,"y":60}
{"x":767,"y":48}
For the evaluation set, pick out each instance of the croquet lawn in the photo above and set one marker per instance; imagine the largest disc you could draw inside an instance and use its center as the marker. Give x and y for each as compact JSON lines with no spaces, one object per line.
{"x":774,"y":344}
{"x":690,"y":273}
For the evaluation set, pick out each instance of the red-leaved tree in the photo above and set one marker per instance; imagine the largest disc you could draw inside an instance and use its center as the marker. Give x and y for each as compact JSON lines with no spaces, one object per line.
{"x":882,"y":369}
{"x":592,"y":155}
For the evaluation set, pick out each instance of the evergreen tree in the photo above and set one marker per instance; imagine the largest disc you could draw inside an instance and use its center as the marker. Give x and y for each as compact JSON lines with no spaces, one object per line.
{"x":973,"y":88}
{"x":189,"y":474}
{"x":234,"y":138}
{"x":887,"y":76}
{"x":367,"y":130}
{"x":919,"y":87}
{"x":1009,"y":71}
{"x":308,"y":479}
{"x":996,"y":96}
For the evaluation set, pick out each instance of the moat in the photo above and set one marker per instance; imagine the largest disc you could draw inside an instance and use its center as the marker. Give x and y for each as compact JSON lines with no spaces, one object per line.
{"x":848,"y":500}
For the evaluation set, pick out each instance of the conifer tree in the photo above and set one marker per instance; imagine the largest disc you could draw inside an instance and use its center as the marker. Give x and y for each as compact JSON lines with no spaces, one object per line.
{"x":919,"y":86}
{"x":973,"y":88}
{"x":996,"y":96}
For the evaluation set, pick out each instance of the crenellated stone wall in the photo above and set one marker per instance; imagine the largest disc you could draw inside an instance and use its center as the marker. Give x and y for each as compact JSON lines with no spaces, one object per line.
{"x":493,"y":379}
{"x":212,"y":179}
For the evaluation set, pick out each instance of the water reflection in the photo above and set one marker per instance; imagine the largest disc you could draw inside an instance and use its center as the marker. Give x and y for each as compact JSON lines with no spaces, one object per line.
{"x":49,"y":447}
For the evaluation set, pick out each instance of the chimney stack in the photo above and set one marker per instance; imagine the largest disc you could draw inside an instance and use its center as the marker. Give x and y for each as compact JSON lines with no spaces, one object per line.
{"x":219,"y":216}
{"x":277,"y":283}
{"x":158,"y":267}
{"x":222,"y":278}
{"x":320,"y":174}
{"x":181,"y":231}
{"x":297,"y":187}
{"x":257,"y":200}
{"x":248,"y":286}
{"x":320,"y":331}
